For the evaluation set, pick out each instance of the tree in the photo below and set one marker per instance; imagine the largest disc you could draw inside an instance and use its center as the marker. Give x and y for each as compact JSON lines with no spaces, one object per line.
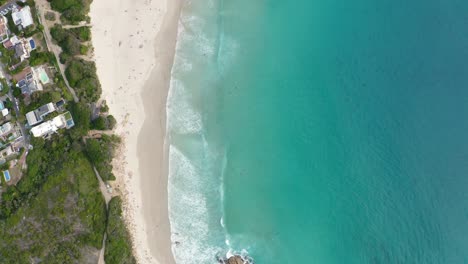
{"x":16,"y":92}
{"x":100,"y":123}
{"x":111,"y":122}
{"x":82,"y":117}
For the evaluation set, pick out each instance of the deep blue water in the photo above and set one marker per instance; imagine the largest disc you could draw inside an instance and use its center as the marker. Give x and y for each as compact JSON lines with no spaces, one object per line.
{"x":320,"y":131}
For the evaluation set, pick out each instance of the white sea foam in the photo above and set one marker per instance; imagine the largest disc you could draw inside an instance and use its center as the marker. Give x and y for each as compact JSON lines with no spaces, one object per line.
{"x":196,"y":176}
{"x":182,"y":117}
{"x":188,"y":212}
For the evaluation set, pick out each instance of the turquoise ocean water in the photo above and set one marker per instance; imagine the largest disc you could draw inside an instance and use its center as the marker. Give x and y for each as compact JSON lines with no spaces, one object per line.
{"x":320,"y":131}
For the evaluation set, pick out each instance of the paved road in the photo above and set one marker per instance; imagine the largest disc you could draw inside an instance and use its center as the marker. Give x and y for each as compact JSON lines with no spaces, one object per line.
{"x":41,"y":7}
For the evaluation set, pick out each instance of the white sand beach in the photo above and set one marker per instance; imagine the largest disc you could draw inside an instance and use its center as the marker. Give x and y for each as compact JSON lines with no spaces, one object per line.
{"x":134,"y":44}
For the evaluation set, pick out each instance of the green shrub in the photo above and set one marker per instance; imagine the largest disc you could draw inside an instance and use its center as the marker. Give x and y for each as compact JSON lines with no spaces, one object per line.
{"x":118,"y":242}
{"x":111,"y":122}
{"x":39,"y":58}
{"x":84,"y":49}
{"x":82,"y":76}
{"x":99,"y":123}
{"x":50,"y":16}
{"x":73,"y":11}
{"x":100,"y":152}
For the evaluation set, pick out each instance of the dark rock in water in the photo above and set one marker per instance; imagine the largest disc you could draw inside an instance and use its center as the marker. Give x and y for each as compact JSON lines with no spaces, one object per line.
{"x":235,"y":260}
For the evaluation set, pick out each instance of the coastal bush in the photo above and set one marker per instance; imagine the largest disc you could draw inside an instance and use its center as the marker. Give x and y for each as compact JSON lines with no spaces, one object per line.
{"x":69,"y":42}
{"x":84,"y":49}
{"x":82,"y":76}
{"x":104,"y":123}
{"x":118,"y":243}
{"x":104,"y":108}
{"x":59,"y":207}
{"x":100,"y":152}
{"x":99,"y":123}
{"x":39,"y":58}
{"x":111,"y":122}
{"x":82,"y":33}
{"x":72,"y":11}
{"x":82,"y":118}
{"x":50,"y":16}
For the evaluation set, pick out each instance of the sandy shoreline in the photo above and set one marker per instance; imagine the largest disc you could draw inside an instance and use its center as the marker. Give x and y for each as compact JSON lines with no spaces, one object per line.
{"x":134,"y":43}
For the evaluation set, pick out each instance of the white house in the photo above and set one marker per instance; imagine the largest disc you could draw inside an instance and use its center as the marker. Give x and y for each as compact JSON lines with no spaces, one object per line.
{"x":22,"y":17}
{"x":37,"y":116}
{"x":5,"y":128}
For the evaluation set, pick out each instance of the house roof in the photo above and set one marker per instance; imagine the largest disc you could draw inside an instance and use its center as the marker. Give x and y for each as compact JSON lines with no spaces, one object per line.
{"x":5,"y":128}
{"x":44,"y":110}
{"x":23,"y":17}
{"x":44,"y":129}
{"x":25,"y":75}
{"x":19,"y":50}
{"x":32,"y":118}
{"x":51,"y":126}
{"x":60,"y":103}
{"x":30,"y":87}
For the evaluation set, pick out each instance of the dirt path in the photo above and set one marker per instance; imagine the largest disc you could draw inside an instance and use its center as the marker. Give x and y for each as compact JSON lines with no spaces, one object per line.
{"x":81,"y":24}
{"x":42,"y":7}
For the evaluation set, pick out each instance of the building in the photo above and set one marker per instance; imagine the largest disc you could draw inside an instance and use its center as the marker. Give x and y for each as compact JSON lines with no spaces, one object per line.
{"x":52,"y":126}
{"x":22,"y":17}
{"x":10,"y":43}
{"x":37,"y":116}
{"x":5,"y":112}
{"x":4,"y":32}
{"x":23,"y":47}
{"x":5,"y":129}
{"x":27,"y":81}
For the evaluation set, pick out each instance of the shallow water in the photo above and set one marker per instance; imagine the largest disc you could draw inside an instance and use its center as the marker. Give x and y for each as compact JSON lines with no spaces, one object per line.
{"x":320,"y":131}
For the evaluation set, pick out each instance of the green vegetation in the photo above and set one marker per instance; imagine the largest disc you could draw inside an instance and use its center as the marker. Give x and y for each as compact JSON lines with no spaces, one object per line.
{"x":104,"y":123}
{"x":50,"y":16}
{"x":104,"y":107}
{"x":82,"y":117}
{"x":111,"y":122}
{"x":5,"y":87}
{"x":19,"y":67}
{"x":82,"y":75}
{"x":72,"y":11}
{"x":11,"y":25}
{"x":38,"y":58}
{"x":8,"y":57}
{"x":100,"y":152}
{"x":56,"y":210}
{"x":38,"y":99}
{"x":68,"y":41}
{"x":82,"y":33}
{"x":118,"y":244}
{"x":99,"y":123}
{"x":84,"y":49}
